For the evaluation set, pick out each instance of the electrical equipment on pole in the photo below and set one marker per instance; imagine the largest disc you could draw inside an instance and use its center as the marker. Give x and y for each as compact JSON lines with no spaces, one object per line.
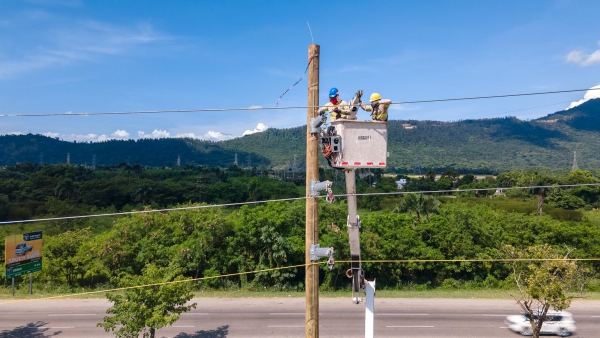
{"x":347,"y":145}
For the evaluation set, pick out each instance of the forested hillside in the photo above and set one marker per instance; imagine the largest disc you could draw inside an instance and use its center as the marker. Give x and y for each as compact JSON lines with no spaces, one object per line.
{"x":482,"y":146}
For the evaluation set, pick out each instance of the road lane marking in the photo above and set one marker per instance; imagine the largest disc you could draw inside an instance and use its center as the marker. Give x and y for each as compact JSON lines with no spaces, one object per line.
{"x":595,"y":316}
{"x":403,"y":314}
{"x":72,"y":314}
{"x":286,"y":313}
{"x":409,"y":326}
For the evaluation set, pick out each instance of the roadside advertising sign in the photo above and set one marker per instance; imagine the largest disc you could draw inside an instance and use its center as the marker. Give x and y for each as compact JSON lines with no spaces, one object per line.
{"x":23,"y":254}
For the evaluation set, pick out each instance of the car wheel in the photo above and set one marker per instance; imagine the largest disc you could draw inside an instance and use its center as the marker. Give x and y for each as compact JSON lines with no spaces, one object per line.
{"x":563,"y":333}
{"x":527,"y":333}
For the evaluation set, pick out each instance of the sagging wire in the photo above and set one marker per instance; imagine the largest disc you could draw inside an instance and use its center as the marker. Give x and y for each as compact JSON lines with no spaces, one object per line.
{"x":378,"y":261}
{"x":292,"y":86}
{"x":157,"y":284}
{"x":289,"y":199}
{"x":204,"y":110}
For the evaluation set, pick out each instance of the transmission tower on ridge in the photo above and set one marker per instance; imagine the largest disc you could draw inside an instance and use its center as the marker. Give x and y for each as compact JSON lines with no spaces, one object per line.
{"x":94,"y":161}
{"x":250,"y":161}
{"x":178,"y":161}
{"x":575,"y":161}
{"x":68,"y":158}
{"x":235,"y":161}
{"x":417,"y":167}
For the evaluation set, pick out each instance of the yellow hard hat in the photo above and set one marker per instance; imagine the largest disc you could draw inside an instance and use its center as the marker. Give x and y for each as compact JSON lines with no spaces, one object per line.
{"x":375,"y":97}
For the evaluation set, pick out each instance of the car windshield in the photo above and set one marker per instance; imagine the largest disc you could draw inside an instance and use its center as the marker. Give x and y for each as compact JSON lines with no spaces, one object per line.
{"x":549,"y":318}
{"x":20,"y":245}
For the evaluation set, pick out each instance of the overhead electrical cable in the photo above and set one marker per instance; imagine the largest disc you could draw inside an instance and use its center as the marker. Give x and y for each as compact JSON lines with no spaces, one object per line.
{"x":379,"y":261}
{"x":285,"y":200}
{"x":203,"y":110}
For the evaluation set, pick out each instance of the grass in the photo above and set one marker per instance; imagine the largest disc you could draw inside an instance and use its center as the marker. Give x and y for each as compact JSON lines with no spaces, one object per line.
{"x":22,"y":294}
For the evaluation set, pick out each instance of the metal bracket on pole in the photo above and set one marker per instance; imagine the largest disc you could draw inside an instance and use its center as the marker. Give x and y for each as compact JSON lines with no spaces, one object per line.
{"x":316,"y":123}
{"x":317,"y":252}
{"x":316,"y":187}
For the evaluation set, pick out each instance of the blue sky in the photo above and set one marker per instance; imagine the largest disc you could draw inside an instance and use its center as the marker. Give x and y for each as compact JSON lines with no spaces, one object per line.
{"x":60,"y":56}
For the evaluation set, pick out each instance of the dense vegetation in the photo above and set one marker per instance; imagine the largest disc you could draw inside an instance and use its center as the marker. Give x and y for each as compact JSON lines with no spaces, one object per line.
{"x":464,"y":146}
{"x":213,"y":241}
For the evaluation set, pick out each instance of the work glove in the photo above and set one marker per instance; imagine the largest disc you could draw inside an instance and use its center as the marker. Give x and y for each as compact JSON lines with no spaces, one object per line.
{"x":359,"y":94}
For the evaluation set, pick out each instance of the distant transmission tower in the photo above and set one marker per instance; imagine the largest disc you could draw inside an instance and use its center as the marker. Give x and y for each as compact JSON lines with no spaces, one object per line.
{"x":250,"y":161}
{"x":575,"y":161}
{"x":94,"y":161}
{"x":235,"y":161}
{"x":178,"y":161}
{"x":417,"y":167}
{"x":68,"y":158}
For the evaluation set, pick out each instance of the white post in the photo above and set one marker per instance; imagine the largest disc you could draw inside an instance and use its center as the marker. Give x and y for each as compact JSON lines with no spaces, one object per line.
{"x":370,"y":309}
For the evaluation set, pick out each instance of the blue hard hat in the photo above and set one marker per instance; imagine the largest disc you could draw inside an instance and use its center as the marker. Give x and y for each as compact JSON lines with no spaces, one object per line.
{"x":333,"y":92}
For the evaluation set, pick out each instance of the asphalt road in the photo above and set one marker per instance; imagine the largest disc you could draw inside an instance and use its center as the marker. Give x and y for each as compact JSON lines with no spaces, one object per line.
{"x":284,"y":317}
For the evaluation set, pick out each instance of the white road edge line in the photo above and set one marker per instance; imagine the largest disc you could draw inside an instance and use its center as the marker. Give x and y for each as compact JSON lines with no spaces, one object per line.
{"x":409,"y":326}
{"x":72,"y":314}
{"x":286,"y":313}
{"x":402,"y":314}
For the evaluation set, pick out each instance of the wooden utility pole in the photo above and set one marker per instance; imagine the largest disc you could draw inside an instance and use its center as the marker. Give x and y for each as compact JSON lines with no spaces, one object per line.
{"x":312,"y":210}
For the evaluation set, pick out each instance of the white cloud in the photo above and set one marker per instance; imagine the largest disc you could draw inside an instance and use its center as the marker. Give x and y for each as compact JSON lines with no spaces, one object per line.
{"x":155,"y":134}
{"x":209,"y":136}
{"x":582,"y":58}
{"x":590,"y":94}
{"x":50,"y":134}
{"x":217,"y":136}
{"x":259,"y":128}
{"x":14,"y":133}
{"x":120,"y":134}
{"x":255,"y":107}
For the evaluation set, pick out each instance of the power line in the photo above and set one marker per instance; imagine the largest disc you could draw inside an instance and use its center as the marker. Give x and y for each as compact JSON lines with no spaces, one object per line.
{"x":286,"y":200}
{"x":379,"y":261}
{"x":204,"y":110}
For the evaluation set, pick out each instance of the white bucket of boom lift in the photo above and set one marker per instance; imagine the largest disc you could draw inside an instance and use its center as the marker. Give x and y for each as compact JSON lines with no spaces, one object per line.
{"x":363,"y":144}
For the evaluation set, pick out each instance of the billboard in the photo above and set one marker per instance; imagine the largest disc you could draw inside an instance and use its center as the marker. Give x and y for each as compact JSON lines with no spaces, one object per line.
{"x":23,"y":254}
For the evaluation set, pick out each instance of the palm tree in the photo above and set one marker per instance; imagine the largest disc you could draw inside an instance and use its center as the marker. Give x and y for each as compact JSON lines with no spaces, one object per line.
{"x":418,"y":205}
{"x":541,"y":188}
{"x":143,"y":194}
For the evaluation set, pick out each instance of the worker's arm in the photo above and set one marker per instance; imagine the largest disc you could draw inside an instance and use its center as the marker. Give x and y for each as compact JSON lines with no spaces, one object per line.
{"x":366,"y":107}
{"x":385,"y":102}
{"x":344,"y":107}
{"x":325,"y":108}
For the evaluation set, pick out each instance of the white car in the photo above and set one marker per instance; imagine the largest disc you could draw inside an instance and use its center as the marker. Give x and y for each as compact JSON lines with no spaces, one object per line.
{"x":23,"y":248}
{"x":560,"y":323}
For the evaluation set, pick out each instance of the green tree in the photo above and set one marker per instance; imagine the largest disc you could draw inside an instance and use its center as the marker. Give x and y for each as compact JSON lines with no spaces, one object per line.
{"x":143,"y":310}
{"x":4,"y":206}
{"x":61,"y":250}
{"x":543,"y":282}
{"x":542,"y":188}
{"x":418,"y":205}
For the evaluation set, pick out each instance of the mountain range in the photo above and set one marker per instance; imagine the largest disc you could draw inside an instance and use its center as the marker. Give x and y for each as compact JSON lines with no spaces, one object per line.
{"x":478,"y":146}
